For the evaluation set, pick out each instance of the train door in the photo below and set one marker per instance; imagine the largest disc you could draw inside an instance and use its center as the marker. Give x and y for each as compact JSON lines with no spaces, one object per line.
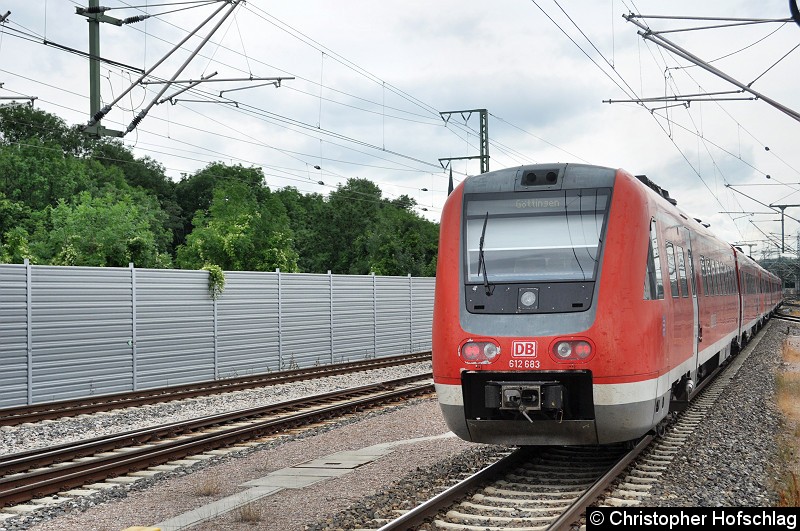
{"x":698,"y":332}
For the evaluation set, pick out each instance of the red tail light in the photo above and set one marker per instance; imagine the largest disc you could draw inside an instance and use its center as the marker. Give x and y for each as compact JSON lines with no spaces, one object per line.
{"x":479,"y":352}
{"x":572,"y":350}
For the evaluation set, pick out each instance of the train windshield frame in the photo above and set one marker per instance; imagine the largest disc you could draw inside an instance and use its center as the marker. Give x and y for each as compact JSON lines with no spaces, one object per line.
{"x":540,"y":236}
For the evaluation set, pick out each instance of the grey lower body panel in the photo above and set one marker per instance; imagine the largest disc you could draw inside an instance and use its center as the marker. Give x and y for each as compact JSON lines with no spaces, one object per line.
{"x":612,"y":423}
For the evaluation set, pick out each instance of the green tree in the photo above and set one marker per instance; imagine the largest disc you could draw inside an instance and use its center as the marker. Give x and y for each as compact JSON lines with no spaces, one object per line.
{"x":149,"y":175}
{"x":22,"y":124}
{"x":112,"y":229}
{"x":195,"y":192}
{"x":304,"y":213}
{"x":351,"y":212}
{"x":14,"y":247}
{"x":39,"y":175}
{"x":402,"y":243}
{"x":240,"y":234}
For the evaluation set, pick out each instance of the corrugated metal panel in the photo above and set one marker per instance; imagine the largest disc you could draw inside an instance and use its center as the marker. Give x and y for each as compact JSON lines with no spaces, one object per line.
{"x":13,"y":335}
{"x":82,"y":326}
{"x":247,"y":324}
{"x":353,"y":318}
{"x":393,"y":315}
{"x":306,"y":325}
{"x":422,"y":291}
{"x":83,"y":323}
{"x":174,"y":320}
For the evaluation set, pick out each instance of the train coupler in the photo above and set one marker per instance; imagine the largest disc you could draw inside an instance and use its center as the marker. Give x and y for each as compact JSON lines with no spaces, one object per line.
{"x":524,"y":396}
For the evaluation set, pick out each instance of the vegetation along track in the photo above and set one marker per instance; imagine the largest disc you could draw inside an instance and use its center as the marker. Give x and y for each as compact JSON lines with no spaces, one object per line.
{"x":42,"y":472}
{"x":66,"y":408}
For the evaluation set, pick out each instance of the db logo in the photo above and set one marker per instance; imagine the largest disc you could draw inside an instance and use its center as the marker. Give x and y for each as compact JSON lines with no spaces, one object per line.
{"x":526,"y":349}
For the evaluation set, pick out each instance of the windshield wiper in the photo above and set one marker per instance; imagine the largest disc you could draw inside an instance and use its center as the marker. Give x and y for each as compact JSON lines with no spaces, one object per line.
{"x":482,"y":259}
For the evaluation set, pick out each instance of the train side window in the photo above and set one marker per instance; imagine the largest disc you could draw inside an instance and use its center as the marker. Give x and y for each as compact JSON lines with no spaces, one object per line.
{"x":673,"y":271}
{"x":653,"y":282}
{"x":727,"y":280}
{"x":682,"y":271}
{"x":711,"y":285}
{"x":712,"y":280}
{"x":723,"y":275}
{"x":704,"y":274}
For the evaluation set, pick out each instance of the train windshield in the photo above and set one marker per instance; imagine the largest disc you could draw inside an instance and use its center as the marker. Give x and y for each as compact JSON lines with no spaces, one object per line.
{"x":535,"y":236}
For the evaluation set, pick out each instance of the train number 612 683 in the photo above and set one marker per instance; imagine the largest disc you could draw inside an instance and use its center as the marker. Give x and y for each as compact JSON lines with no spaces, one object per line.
{"x":523,"y":364}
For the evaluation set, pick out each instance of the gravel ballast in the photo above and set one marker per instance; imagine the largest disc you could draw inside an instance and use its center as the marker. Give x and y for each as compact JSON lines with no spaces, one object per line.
{"x":729,"y":460}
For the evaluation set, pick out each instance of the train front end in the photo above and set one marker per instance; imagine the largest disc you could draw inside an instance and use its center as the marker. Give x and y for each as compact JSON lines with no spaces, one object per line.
{"x":524,"y":352}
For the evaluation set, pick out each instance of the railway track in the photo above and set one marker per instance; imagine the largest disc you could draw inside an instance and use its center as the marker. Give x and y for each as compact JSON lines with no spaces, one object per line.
{"x":787,"y":317}
{"x":66,"y":408}
{"x":538,"y":488}
{"x":533,"y":488}
{"x":38,"y":473}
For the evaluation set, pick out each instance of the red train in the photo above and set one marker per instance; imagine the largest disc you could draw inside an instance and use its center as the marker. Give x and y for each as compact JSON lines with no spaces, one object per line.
{"x":577,"y":304}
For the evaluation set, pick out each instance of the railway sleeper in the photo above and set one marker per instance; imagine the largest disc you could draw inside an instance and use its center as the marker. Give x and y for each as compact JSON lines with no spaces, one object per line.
{"x":506,"y":509}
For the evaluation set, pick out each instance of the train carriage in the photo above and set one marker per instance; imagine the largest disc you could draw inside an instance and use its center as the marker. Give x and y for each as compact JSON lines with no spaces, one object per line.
{"x":576,"y":304}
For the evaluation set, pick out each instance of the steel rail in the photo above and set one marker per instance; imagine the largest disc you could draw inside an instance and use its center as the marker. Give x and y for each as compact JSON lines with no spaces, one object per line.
{"x":16,"y":488}
{"x":417,"y":515}
{"x":573,"y":513}
{"x":787,"y":317}
{"x":63,"y":408}
{"x":11,"y":463}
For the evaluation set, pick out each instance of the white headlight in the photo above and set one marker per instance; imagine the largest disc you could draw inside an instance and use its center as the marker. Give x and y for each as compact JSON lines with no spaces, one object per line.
{"x":490,"y":351}
{"x":563,"y":350}
{"x":528,"y":298}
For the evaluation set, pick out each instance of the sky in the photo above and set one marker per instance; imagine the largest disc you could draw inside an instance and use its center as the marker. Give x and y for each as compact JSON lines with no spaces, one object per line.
{"x":364,"y":82}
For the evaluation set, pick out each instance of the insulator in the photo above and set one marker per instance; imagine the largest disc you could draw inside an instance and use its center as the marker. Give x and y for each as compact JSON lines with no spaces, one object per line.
{"x":135,"y":122}
{"x":102,"y":112}
{"x":138,"y":18}
{"x":97,"y":9}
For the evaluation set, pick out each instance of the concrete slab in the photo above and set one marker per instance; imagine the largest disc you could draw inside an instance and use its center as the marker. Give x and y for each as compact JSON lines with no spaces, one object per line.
{"x":286,"y":482}
{"x":214,"y":509}
{"x":100,"y":486}
{"x":123,"y":480}
{"x":49,"y":500}
{"x":318,"y":472}
{"x":78,"y":492}
{"x":198,"y":457}
{"x":144,"y":473}
{"x":223,"y":451}
{"x":165,"y":468}
{"x":372,"y":451}
{"x":295,"y":477}
{"x":334,"y":463}
{"x":184,"y":462}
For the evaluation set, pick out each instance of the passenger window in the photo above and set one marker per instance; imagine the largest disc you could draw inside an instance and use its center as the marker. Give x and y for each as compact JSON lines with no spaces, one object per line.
{"x":673,"y":271}
{"x":704,"y":274}
{"x":653,"y":283}
{"x":682,"y":271}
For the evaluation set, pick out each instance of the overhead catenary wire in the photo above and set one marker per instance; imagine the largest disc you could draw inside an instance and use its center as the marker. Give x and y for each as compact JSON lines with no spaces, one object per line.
{"x":382,"y":143}
{"x":499,"y":146}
